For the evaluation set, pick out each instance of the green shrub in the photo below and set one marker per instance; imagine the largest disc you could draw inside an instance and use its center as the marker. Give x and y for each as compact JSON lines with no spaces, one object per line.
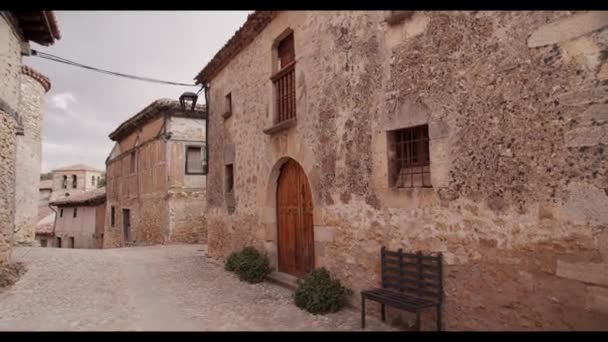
{"x":249,"y":264}
{"x":319,"y":294}
{"x":232,"y":262}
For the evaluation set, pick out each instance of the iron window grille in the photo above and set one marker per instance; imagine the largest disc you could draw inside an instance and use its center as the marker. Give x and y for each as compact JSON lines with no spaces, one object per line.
{"x":409,"y":162}
{"x":195,"y":161}
{"x":284,"y":80}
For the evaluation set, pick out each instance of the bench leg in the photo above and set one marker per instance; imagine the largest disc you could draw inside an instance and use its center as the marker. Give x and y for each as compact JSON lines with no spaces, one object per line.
{"x":438,"y":317}
{"x":362,"y":312}
{"x":418,"y":320}
{"x":383,"y":309}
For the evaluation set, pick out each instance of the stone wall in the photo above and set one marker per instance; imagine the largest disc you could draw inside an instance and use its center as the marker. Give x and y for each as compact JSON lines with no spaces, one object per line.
{"x":10,"y":68}
{"x":516,"y":108}
{"x":28,"y":163}
{"x":186,"y":194}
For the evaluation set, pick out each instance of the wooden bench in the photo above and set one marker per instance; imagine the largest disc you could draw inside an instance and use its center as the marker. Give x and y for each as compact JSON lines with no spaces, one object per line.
{"x":410,"y":282}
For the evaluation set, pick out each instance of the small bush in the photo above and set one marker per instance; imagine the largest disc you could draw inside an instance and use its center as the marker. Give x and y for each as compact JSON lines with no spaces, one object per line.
{"x":232,"y":262}
{"x":249,"y":264}
{"x":319,"y":294}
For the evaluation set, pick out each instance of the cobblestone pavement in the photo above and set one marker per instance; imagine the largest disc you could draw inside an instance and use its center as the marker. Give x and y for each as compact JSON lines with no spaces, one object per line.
{"x":171,"y":287}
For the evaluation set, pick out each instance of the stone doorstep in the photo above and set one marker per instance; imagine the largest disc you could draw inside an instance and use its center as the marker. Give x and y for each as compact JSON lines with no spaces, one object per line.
{"x":284,"y":279}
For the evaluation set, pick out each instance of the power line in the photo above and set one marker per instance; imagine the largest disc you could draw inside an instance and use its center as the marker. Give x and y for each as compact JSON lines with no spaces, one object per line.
{"x":67,"y":61}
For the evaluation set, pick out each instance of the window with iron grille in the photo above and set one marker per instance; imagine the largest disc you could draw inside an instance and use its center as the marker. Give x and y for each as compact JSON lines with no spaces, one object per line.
{"x":194,"y":160}
{"x":284,"y":80}
{"x":409,"y":160}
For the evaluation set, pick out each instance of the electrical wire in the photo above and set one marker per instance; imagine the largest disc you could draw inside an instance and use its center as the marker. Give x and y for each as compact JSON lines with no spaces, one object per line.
{"x":139,"y":78}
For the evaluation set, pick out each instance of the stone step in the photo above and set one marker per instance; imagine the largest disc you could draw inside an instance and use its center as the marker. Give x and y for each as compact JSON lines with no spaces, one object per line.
{"x":284,"y":279}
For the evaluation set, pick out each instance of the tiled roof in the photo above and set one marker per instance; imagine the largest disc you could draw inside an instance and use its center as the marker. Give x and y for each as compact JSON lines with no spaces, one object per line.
{"x":90,"y":197}
{"x":27,"y":70}
{"x":38,"y":26}
{"x":45,"y":224}
{"x":254,"y":24}
{"x":152,"y":111}
{"x":77,"y":167}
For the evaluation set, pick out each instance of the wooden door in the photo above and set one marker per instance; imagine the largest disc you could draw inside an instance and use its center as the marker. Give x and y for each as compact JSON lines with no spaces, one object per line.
{"x":294,"y":218}
{"x":126,"y":219}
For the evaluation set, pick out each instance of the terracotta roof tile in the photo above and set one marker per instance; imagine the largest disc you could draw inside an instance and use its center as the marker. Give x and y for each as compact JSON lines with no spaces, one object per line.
{"x":254,"y":24}
{"x":27,"y":70}
{"x":152,"y":111}
{"x":78,"y":167}
{"x":89,"y":197}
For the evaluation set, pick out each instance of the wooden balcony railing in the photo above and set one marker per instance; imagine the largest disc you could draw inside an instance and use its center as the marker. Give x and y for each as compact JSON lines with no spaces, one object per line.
{"x":285,"y":84}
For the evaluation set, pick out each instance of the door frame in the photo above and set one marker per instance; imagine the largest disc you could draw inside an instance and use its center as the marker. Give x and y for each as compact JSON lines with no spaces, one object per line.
{"x":280,"y":168}
{"x":127,"y":235}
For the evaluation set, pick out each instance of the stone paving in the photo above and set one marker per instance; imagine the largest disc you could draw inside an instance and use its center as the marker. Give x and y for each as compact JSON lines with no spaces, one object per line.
{"x":156,"y":288}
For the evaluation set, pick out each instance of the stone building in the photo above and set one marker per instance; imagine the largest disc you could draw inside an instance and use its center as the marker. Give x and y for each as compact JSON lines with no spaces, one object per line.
{"x":29,"y":154}
{"x":74,"y":179}
{"x":79,"y":222}
{"x":17,"y":29}
{"x":155,"y":177}
{"x":45,"y":189}
{"x":480,"y":135}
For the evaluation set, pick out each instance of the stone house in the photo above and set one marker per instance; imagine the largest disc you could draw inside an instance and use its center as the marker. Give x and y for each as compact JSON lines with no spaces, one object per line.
{"x":45,"y":189}
{"x":34,"y":86}
{"x":74,"y":179}
{"x":155,"y":177}
{"x":480,"y":135}
{"x":17,"y":29}
{"x":79,"y":220}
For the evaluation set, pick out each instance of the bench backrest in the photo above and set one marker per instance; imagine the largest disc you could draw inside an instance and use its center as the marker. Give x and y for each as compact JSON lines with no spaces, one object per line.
{"x":414,"y":274}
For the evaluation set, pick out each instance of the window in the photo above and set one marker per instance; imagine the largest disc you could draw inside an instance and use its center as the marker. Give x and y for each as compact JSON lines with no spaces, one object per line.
{"x":229,"y":178}
{"x":228,"y":105}
{"x":409,"y":161}
{"x":64,"y":184}
{"x":75,"y":212}
{"x":284,"y":80}
{"x":194,"y":160}
{"x":112,"y":216}
{"x":60,"y":212}
{"x":43,"y":243}
{"x":58,"y":242}
{"x":74,"y":181}
{"x":132,"y":162}
{"x":71,"y":242}
{"x":92,"y":180}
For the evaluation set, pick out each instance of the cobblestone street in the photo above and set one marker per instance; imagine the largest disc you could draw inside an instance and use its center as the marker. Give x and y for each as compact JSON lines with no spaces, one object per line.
{"x":172,"y":287}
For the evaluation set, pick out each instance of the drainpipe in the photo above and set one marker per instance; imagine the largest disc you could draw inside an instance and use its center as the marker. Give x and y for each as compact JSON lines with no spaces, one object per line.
{"x":206,"y":89}
{"x":54,"y":222}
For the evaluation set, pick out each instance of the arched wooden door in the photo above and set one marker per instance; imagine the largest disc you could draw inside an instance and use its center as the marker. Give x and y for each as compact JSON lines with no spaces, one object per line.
{"x":294,"y":220}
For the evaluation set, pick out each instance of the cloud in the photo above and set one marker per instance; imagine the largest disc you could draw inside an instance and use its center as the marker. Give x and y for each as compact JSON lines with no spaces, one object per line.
{"x":62,"y":100}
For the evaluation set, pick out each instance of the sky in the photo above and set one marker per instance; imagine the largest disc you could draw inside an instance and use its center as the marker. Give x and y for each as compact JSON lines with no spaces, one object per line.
{"x":84,"y":106}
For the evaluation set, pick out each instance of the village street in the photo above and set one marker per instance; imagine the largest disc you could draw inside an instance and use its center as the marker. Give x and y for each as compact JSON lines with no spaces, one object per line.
{"x":156,"y":288}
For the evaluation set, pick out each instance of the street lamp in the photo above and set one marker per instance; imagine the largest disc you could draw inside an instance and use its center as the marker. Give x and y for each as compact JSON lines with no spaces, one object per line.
{"x":188,"y":99}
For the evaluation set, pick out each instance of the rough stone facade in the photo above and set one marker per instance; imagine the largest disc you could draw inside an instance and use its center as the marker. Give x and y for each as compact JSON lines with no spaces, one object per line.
{"x":29,"y":155}
{"x":10,"y":64}
{"x":14,"y":39}
{"x":516,"y":106}
{"x":164,"y":203}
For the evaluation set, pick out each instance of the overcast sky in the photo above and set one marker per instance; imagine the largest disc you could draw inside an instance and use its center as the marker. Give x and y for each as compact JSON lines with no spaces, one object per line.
{"x":84,"y":106}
